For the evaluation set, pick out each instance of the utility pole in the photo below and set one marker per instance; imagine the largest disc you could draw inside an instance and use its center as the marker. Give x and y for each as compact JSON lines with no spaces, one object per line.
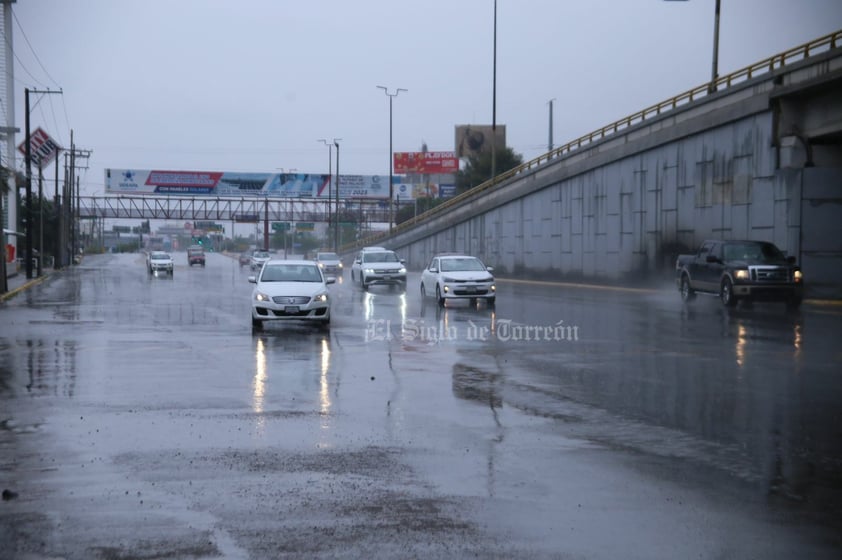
{"x":29,"y":213}
{"x":494,"y":104}
{"x":40,"y":221}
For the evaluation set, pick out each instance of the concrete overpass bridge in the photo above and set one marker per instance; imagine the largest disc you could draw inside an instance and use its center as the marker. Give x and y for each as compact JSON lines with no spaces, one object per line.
{"x":757,"y":155}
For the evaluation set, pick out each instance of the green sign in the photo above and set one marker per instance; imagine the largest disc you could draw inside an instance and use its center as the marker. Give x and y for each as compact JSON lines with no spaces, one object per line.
{"x":280,"y":226}
{"x":305,"y":226}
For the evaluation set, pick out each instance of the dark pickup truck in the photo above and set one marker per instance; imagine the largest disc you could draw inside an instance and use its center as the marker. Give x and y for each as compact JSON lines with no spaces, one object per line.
{"x":735,"y":270}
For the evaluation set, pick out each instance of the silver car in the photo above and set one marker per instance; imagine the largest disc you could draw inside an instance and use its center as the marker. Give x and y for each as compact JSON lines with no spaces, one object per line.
{"x":159,"y":261}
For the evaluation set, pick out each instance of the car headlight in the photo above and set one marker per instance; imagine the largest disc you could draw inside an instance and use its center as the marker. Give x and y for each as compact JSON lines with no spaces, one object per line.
{"x":260,"y":296}
{"x":320,"y":297}
{"x":446,"y":279}
{"x":340,"y":265}
{"x":797,"y":276}
{"x":402,"y":271}
{"x":321,"y":265}
{"x":493,"y":288}
{"x":369,"y":271}
{"x":741,"y":275}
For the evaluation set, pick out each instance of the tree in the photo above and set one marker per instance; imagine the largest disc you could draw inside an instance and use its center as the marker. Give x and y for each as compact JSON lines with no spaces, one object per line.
{"x":478,"y":168}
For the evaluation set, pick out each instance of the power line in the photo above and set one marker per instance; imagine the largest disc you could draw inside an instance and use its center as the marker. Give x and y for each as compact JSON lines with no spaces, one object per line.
{"x":22,"y":65}
{"x":22,"y":32}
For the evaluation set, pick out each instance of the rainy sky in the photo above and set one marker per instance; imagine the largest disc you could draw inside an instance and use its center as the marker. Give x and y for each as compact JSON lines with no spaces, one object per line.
{"x":253,"y":85}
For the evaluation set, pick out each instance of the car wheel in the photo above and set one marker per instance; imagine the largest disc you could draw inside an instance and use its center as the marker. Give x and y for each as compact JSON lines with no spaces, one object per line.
{"x":325,"y":324}
{"x":726,"y":293}
{"x":439,"y":297}
{"x":491,"y":301}
{"x":472,"y":302}
{"x":256,"y":324}
{"x":687,"y":293}
{"x":423,"y":292}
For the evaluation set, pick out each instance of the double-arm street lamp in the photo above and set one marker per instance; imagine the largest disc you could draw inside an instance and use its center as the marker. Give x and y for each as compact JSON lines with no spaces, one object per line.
{"x":336,"y":209}
{"x":329,"y":179}
{"x":391,"y":158}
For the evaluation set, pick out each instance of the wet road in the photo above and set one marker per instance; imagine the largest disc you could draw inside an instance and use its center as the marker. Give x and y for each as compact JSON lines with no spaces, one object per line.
{"x":140,"y":418}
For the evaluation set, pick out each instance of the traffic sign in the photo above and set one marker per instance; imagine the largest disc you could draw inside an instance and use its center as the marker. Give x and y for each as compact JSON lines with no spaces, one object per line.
{"x":280,"y":226}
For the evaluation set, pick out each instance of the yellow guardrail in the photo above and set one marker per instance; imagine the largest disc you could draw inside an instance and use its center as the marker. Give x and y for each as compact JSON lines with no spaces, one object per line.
{"x":801,"y":52}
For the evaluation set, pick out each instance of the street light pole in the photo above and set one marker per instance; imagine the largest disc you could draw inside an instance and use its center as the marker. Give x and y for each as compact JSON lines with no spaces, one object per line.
{"x":336,"y":213}
{"x":715,"y":70}
{"x":391,"y":157}
{"x":329,"y":180}
{"x":494,"y":104}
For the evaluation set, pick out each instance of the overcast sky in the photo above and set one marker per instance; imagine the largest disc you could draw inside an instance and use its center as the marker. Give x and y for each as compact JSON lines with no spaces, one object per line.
{"x":252,"y":85}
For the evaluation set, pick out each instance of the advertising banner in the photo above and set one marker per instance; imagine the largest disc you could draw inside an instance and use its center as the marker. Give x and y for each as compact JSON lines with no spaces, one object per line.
{"x":425,"y":163}
{"x":214,"y":183}
{"x":472,"y":139}
{"x":405,"y":191}
{"x":358,"y":186}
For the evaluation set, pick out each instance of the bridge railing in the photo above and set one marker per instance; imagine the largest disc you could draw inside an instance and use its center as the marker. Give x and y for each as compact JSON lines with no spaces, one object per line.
{"x":780,"y":60}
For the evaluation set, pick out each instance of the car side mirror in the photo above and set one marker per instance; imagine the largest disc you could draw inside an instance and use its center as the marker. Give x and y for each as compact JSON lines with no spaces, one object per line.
{"x":790,"y":260}
{"x":330,"y":280}
{"x":489,"y":268}
{"x":253,"y":279}
{"x":403,"y":261}
{"x":433,"y":269}
{"x":712,"y":259}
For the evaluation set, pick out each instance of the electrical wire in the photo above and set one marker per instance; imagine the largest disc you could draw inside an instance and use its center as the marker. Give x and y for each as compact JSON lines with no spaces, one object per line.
{"x":25,"y":38}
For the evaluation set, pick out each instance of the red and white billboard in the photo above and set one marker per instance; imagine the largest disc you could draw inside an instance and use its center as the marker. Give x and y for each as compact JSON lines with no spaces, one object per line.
{"x":425,"y":163}
{"x":43,"y":149}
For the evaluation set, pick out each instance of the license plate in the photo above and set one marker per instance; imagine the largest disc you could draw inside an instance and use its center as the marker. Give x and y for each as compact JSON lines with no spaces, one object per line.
{"x":387,"y":277}
{"x":471,"y":289}
{"x":291,"y":309}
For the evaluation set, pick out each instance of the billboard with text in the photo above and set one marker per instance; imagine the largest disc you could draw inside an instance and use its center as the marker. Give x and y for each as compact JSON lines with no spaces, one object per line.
{"x":234,"y":184}
{"x":425,"y":163}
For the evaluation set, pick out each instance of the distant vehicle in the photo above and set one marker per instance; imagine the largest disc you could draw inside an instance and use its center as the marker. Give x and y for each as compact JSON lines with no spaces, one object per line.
{"x":293,"y":290}
{"x":740,"y":270}
{"x":159,"y":261}
{"x":195,"y":255}
{"x":375,"y":265}
{"x":258,"y":257}
{"x":329,"y":263}
{"x":458,"y":277}
{"x":245,"y":259}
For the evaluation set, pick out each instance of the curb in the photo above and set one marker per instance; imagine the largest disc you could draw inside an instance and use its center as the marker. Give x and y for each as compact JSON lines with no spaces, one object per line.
{"x":34,"y":282}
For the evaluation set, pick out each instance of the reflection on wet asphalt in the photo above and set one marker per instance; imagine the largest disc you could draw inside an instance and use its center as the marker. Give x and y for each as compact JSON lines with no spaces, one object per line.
{"x":142,"y":418}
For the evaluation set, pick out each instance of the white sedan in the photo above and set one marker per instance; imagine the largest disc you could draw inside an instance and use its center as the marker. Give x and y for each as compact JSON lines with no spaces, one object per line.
{"x":458,"y":277}
{"x":159,"y":261}
{"x":294,"y":290}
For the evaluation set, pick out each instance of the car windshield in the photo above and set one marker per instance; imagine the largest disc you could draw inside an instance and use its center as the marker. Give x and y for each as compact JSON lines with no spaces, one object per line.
{"x":460,"y":264}
{"x":759,"y":252}
{"x":327,"y":257}
{"x":290,"y":273}
{"x":380,"y":257}
{"x":261,"y":254}
{"x":160,"y":256}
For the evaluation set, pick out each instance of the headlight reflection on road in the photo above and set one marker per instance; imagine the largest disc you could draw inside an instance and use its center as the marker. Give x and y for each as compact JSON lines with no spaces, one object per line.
{"x":368,"y":306}
{"x":259,"y":383}
{"x":324,"y":387}
{"x":741,"y":345}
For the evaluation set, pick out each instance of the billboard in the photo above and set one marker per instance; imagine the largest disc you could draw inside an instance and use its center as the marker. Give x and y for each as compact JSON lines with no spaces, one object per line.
{"x":473,"y":139}
{"x":425,"y":163}
{"x":407,"y":191}
{"x":219,"y":183}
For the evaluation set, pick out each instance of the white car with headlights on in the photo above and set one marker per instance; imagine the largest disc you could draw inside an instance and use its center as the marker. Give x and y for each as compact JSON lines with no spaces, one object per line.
{"x":458,"y":277}
{"x":159,"y":261}
{"x":375,"y":265}
{"x":294,"y":290}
